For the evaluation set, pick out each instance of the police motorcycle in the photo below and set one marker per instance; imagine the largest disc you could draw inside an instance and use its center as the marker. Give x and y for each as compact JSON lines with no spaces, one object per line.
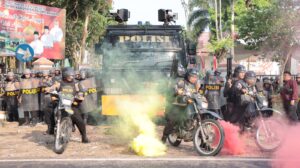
{"x":268,"y":129}
{"x":202,"y":127}
{"x":63,"y":123}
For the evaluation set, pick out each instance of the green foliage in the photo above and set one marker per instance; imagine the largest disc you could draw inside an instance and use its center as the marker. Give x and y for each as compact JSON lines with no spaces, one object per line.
{"x":220,"y":47}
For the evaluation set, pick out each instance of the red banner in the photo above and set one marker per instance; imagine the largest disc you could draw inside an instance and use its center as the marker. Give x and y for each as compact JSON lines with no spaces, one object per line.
{"x":42,"y":27}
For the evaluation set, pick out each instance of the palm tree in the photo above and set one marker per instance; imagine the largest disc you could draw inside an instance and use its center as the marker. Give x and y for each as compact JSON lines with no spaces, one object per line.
{"x":199,"y":20}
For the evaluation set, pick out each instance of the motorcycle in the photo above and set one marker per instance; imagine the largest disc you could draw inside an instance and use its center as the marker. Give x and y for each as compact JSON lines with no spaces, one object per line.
{"x":63,"y":123}
{"x":202,"y":128}
{"x":269,"y":129}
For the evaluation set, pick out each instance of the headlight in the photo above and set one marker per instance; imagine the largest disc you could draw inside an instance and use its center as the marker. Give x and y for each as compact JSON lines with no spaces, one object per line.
{"x":265,"y":103}
{"x":205,"y":105}
{"x":204,"y":102}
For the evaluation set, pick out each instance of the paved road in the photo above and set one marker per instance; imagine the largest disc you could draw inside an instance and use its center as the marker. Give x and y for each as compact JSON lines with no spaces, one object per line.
{"x":191,"y":162}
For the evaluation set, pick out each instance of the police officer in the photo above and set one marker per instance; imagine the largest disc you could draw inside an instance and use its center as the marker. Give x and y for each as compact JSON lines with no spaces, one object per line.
{"x":11,"y":90}
{"x":223,"y":100}
{"x":239,"y":74}
{"x":245,"y":92}
{"x":184,"y":88}
{"x":87,"y":85}
{"x":29,"y":99}
{"x":212,"y":87}
{"x":46,"y":104}
{"x":57,"y":75}
{"x":68,"y":86}
{"x":268,"y":91}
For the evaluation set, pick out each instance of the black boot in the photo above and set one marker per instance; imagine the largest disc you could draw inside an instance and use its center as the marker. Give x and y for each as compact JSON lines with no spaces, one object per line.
{"x":34,"y":118}
{"x":26,"y":117}
{"x":85,"y":139}
{"x":164,"y":138}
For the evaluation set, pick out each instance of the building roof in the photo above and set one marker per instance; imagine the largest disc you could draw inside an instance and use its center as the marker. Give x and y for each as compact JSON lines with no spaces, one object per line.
{"x":43,"y":61}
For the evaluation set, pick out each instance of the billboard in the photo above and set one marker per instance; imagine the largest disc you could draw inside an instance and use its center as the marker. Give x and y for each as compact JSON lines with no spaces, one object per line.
{"x":42,"y":27}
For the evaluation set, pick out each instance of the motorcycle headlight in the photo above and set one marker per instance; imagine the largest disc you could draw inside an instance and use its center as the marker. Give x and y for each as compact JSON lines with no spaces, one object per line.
{"x":265,"y":103}
{"x":205,"y":105}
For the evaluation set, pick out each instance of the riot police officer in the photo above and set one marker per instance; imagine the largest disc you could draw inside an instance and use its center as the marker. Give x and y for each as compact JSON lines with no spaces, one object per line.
{"x":57,"y":75}
{"x":239,"y":74}
{"x":46,"y":104}
{"x":68,"y":86}
{"x":268,"y":91}
{"x":87,"y":85}
{"x":183,"y":89}
{"x":212,"y":87}
{"x":245,"y":92}
{"x":11,"y":92}
{"x":29,"y":98}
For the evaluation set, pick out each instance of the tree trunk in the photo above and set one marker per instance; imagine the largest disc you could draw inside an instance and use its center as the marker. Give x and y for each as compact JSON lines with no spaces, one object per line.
{"x":287,"y":57}
{"x":232,"y":28}
{"x":220,"y":15}
{"x":83,"y":40}
{"x":216,"y":20}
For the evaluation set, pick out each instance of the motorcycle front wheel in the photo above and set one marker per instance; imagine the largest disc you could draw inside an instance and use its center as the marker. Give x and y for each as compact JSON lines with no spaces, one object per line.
{"x":62,"y":135}
{"x":269,"y":134}
{"x":211,"y":140}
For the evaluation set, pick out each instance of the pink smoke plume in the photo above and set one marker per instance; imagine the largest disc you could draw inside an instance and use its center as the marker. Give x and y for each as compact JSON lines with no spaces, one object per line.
{"x":233,"y":144}
{"x":288,"y":155}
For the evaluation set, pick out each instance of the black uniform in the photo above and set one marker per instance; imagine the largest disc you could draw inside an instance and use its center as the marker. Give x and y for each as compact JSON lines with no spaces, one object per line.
{"x":11,"y":92}
{"x":71,"y":88}
{"x":212,"y":89}
{"x":45,"y":98}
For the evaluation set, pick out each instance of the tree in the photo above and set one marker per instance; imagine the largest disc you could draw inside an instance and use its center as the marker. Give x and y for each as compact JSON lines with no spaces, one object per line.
{"x":215,"y":15}
{"x":271,"y":28}
{"x":86,"y":21}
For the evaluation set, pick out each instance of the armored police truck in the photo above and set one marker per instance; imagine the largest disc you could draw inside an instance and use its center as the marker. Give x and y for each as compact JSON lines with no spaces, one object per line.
{"x":140,"y":60}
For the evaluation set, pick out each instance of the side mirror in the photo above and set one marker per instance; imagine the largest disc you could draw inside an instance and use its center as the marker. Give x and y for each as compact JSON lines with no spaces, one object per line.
{"x":191,"y":49}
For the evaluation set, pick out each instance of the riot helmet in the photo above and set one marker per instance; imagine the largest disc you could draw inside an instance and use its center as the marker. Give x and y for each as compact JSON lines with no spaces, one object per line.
{"x":45,"y":73}
{"x":10,"y":76}
{"x":57,"y":71}
{"x":27,"y":73}
{"x":68,"y":74}
{"x":250,"y":78}
{"x":83,"y":74}
{"x":239,"y":71}
{"x":192,"y":75}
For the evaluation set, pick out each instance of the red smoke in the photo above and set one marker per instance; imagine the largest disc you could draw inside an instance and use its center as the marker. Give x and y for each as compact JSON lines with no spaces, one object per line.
{"x":233,"y":144}
{"x":288,"y":155}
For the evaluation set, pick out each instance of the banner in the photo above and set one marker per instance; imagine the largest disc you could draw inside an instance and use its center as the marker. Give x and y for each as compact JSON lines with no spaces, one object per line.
{"x":41,"y":27}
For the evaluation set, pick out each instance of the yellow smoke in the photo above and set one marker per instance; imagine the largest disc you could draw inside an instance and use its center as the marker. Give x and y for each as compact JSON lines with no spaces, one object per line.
{"x":136,"y":125}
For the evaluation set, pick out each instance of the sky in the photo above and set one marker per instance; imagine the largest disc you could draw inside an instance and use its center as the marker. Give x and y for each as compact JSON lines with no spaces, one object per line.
{"x":147,"y":10}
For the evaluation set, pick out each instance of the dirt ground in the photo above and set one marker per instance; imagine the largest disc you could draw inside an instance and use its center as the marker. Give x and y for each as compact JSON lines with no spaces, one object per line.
{"x":31,"y":143}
